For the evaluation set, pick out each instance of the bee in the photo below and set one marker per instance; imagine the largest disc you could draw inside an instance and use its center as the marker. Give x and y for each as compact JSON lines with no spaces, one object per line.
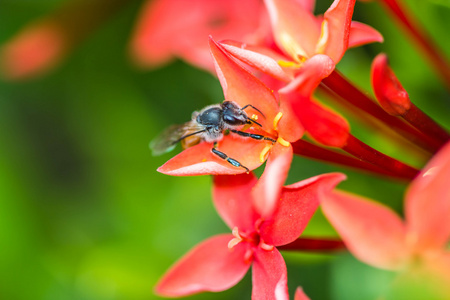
{"x":209,"y":125}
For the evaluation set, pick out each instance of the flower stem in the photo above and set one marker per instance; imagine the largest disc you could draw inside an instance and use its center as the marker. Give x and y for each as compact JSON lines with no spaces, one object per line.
{"x":417,"y":118}
{"x":366,"y":153}
{"x":314,"y":244}
{"x":416,"y":31}
{"x":310,"y":150}
{"x":344,"y":90}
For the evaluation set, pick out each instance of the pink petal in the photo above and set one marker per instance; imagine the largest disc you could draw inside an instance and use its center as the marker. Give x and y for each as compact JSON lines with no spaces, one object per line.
{"x":258,"y":60}
{"x":269,"y":275}
{"x":150,"y":45}
{"x":289,"y":127}
{"x":372,"y":232}
{"x":295,"y":28}
{"x":209,"y":266}
{"x":199,"y":160}
{"x":300,"y":294}
{"x":308,"y":4}
{"x":311,"y":74}
{"x":232,"y":199}
{"x":427,"y":205}
{"x":297,"y":205}
{"x":33,"y":51}
{"x":180,"y":28}
{"x":361,"y":34}
{"x":324,"y":125}
{"x":338,"y":18}
{"x":243,"y":88}
{"x":267,"y":191}
{"x":298,"y":91}
{"x":388,"y":90}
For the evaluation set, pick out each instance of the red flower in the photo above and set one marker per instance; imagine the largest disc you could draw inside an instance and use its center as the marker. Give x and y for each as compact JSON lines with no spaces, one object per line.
{"x":34,"y":50}
{"x":301,"y":35}
{"x":309,"y":56}
{"x":277,"y":123}
{"x":179,"y":28}
{"x":377,"y":236}
{"x":218,"y":263}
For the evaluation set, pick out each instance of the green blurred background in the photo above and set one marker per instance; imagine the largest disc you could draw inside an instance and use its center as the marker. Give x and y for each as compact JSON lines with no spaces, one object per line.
{"x":83,"y":212}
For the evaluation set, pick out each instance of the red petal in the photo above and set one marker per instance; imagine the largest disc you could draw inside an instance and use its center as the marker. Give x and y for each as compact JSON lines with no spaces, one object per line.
{"x":371,"y":231}
{"x":295,"y":28}
{"x":361,"y":34}
{"x":300,"y":294}
{"x":267,"y":191}
{"x":427,"y":205}
{"x":297,"y":205}
{"x":258,"y":59}
{"x":389,"y":91}
{"x":209,"y":266}
{"x":324,"y":125}
{"x":199,"y":160}
{"x":269,"y":275}
{"x":308,"y":4}
{"x":243,"y":88}
{"x":232,"y":199}
{"x":34,"y":50}
{"x":152,"y":29}
{"x":338,"y":18}
{"x":298,"y":91}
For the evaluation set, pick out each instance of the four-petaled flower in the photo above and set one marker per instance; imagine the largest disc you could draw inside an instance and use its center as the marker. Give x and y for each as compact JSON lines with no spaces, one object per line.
{"x":221,"y":261}
{"x":277,"y":122}
{"x":179,"y":28}
{"x":418,"y":245}
{"x":300,"y":36}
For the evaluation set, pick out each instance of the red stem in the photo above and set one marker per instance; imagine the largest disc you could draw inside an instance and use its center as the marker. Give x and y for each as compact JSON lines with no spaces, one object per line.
{"x":346,"y":91}
{"x":425,"y":124}
{"x":368,"y":154}
{"x":310,"y":150}
{"x":314,"y":244}
{"x":416,"y":31}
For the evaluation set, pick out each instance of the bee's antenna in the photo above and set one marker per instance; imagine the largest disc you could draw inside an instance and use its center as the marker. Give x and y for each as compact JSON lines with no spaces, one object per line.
{"x":253,"y":121}
{"x":254,"y":109}
{"x":188,"y":135}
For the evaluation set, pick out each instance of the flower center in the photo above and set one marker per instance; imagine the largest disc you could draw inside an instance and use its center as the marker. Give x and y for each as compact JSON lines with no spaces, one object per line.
{"x":252,"y":238}
{"x":265,"y":152}
{"x":292,"y":47}
{"x":240,"y":236}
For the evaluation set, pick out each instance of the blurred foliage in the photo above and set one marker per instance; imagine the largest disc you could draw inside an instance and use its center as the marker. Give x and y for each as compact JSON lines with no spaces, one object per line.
{"x":83,"y":212}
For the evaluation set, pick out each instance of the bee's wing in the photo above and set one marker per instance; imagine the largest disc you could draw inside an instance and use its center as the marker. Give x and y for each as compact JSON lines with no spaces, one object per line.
{"x":168,"y":139}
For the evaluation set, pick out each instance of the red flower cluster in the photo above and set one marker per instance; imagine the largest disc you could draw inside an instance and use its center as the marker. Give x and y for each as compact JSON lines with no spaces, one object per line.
{"x":277,"y":83}
{"x":270,"y":57}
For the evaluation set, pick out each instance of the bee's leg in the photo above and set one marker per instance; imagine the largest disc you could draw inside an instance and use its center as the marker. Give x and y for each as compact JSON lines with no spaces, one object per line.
{"x":228,"y":159}
{"x":253,"y":136}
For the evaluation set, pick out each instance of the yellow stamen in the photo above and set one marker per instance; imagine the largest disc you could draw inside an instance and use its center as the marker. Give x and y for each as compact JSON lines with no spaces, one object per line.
{"x":323,"y":39}
{"x":288,"y":64}
{"x":264,"y":153}
{"x":265,"y":246}
{"x":283,"y":142}
{"x":237,"y":238}
{"x":254,"y":117}
{"x":246,"y":126}
{"x":276,"y":120}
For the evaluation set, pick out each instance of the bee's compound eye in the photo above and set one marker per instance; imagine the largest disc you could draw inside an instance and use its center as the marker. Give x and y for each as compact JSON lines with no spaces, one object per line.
{"x":231,"y":120}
